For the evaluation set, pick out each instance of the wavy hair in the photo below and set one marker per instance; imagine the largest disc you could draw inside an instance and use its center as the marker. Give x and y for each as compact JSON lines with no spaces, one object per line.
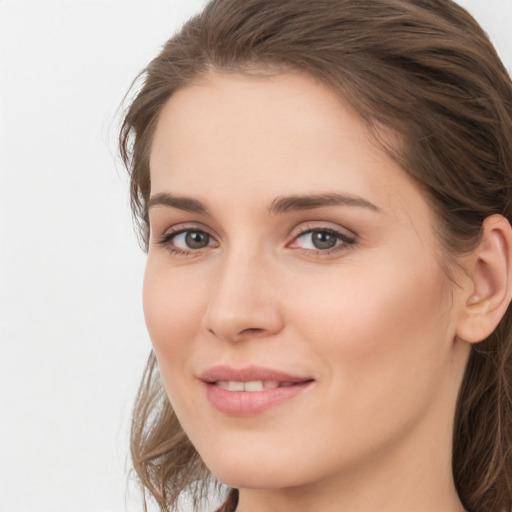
{"x":426,"y":71}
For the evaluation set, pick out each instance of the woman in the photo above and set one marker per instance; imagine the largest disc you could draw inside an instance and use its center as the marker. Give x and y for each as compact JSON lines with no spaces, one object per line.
{"x":324,"y":191}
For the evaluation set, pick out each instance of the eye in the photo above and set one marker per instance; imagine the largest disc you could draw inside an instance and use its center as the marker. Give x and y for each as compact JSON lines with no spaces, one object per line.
{"x":187,"y":240}
{"x":191,"y":240}
{"x":322,"y":240}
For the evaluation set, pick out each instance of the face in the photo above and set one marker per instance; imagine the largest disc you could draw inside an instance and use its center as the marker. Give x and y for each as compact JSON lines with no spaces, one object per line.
{"x":301,"y":320}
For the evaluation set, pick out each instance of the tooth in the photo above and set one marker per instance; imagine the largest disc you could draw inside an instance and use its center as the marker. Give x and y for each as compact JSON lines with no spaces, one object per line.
{"x":254,"y":385}
{"x":235,"y":386}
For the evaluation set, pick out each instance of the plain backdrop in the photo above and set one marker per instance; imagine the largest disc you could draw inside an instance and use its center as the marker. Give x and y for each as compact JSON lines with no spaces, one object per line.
{"x":73,"y":340}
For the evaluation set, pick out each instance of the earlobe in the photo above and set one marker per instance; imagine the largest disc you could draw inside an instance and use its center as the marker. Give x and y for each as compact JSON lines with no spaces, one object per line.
{"x":488,"y":292}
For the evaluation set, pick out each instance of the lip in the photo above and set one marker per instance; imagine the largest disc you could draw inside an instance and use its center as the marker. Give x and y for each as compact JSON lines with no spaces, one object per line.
{"x":249,"y":403}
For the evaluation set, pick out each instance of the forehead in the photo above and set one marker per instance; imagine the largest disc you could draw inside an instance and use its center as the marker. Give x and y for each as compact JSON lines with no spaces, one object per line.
{"x":234,"y":136}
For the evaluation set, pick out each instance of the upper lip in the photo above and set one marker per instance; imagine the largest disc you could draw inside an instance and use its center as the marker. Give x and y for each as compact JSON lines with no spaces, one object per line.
{"x":247,"y":374}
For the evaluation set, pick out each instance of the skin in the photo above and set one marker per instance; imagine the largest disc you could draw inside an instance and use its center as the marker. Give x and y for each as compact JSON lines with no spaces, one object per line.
{"x":374,"y":322}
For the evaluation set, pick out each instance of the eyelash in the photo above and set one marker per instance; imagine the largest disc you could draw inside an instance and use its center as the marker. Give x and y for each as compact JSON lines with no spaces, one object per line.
{"x":343,"y":241}
{"x":167,"y":241}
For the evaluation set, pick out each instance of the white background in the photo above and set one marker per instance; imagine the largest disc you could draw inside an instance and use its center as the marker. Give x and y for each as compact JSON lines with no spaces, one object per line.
{"x":73,"y":341}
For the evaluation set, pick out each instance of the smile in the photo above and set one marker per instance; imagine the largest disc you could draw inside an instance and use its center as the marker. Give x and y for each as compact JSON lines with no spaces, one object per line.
{"x":251,"y":390}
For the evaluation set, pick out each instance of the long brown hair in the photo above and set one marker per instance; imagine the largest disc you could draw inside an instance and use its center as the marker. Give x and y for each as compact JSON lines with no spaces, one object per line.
{"x":426,"y":71}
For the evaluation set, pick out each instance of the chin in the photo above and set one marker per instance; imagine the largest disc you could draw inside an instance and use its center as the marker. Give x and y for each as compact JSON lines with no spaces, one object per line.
{"x":250,"y":477}
{"x":246,"y":469}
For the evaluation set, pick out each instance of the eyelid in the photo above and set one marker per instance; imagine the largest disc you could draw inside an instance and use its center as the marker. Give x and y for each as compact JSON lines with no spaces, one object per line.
{"x":180,"y":228}
{"x":307,"y":227}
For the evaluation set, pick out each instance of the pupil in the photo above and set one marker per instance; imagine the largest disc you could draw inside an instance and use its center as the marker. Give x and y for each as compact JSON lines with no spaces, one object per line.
{"x":323,"y":240}
{"x":197,"y":239}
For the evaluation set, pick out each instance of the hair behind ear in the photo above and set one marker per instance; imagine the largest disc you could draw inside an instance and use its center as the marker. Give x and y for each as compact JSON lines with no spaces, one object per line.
{"x":482,"y":455}
{"x":482,"y":458}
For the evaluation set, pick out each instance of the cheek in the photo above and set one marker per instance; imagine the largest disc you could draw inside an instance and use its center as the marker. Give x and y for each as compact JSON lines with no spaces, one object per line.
{"x":173,"y":308}
{"x":386,"y":333}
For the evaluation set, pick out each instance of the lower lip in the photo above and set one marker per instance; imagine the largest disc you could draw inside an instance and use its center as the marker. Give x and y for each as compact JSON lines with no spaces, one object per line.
{"x":249,"y":403}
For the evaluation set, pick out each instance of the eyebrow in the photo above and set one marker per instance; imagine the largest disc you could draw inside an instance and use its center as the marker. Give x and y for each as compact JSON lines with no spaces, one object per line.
{"x":310,"y":202}
{"x":279,"y":205}
{"x":181,"y":203}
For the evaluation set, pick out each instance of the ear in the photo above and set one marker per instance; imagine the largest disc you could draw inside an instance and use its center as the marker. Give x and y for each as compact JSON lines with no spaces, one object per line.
{"x":487,"y":290}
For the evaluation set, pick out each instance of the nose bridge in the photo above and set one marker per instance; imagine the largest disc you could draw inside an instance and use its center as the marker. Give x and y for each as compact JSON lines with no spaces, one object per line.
{"x":242,"y":300}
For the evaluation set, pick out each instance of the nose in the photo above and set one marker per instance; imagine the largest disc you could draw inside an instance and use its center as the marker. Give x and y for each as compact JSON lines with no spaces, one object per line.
{"x":243,"y":302}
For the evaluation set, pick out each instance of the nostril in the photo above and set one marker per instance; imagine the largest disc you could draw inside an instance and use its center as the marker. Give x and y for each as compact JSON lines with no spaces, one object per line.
{"x":251,"y":331}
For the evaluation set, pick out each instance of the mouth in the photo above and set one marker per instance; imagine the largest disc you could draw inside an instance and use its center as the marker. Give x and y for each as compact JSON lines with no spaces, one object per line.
{"x":252,"y":385}
{"x":250,"y":390}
